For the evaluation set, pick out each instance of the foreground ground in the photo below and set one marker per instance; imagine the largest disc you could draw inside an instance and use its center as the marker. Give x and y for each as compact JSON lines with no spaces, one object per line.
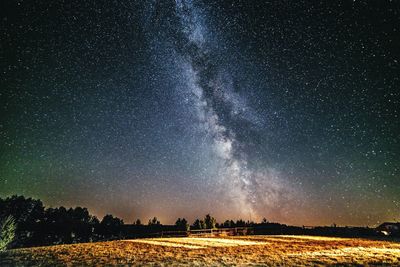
{"x":246,"y":250}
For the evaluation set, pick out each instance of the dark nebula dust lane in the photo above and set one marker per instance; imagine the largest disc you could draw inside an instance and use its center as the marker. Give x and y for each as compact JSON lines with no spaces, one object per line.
{"x":242,"y":109}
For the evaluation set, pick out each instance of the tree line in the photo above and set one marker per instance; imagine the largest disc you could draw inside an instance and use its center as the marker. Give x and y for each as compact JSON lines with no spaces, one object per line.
{"x":25,"y":222}
{"x":36,"y":225}
{"x":28,"y":223}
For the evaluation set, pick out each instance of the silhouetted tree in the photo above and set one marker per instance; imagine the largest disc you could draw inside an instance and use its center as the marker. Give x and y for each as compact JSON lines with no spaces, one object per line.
{"x":196,"y":224}
{"x":138,"y":222}
{"x":110,"y":226}
{"x":209,"y":222}
{"x":109,"y":220}
{"x":227,"y":224}
{"x":249,"y":223}
{"x":199,"y":224}
{"x":240,"y":223}
{"x":58,"y":226}
{"x":82,"y":224}
{"x":182,"y":224}
{"x":24,"y":210}
{"x":154,"y":221}
{"x":264,"y":221}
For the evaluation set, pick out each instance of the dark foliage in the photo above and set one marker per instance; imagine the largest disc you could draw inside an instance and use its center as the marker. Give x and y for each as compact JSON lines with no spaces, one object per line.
{"x":39,"y":226}
{"x":210,"y":222}
{"x":154,"y":222}
{"x":110,"y":227}
{"x":198,"y":224}
{"x":182,"y":224}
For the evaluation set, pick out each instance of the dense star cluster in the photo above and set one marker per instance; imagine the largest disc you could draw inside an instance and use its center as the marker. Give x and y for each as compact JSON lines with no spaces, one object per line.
{"x":178,"y":108}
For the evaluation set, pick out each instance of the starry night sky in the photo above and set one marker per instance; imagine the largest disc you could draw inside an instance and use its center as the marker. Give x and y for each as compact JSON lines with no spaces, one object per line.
{"x":287,"y":110}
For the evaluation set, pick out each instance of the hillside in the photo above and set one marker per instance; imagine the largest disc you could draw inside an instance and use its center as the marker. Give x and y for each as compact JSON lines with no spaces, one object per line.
{"x":246,"y":250}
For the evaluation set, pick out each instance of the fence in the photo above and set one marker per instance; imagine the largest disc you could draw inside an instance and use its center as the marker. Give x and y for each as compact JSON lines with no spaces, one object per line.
{"x":208,"y":232}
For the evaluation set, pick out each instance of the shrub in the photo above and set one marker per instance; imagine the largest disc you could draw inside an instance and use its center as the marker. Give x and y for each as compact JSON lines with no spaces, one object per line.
{"x":7,"y":232}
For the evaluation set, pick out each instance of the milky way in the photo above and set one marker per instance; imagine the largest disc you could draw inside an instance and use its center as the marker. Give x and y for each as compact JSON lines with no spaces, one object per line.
{"x":241,"y":109}
{"x":223,"y":112}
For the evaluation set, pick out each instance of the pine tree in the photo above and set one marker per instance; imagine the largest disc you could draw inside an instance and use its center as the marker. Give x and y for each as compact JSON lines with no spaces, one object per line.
{"x":7,"y":232}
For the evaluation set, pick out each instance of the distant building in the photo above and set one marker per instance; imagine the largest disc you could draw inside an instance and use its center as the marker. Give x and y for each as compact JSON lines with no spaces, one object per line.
{"x":389,"y":228}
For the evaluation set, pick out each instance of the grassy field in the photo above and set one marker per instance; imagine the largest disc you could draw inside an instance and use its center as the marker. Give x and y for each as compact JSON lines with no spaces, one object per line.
{"x":245,"y":250}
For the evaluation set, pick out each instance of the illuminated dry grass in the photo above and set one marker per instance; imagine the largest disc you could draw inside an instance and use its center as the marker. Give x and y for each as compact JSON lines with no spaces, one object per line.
{"x":246,"y":250}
